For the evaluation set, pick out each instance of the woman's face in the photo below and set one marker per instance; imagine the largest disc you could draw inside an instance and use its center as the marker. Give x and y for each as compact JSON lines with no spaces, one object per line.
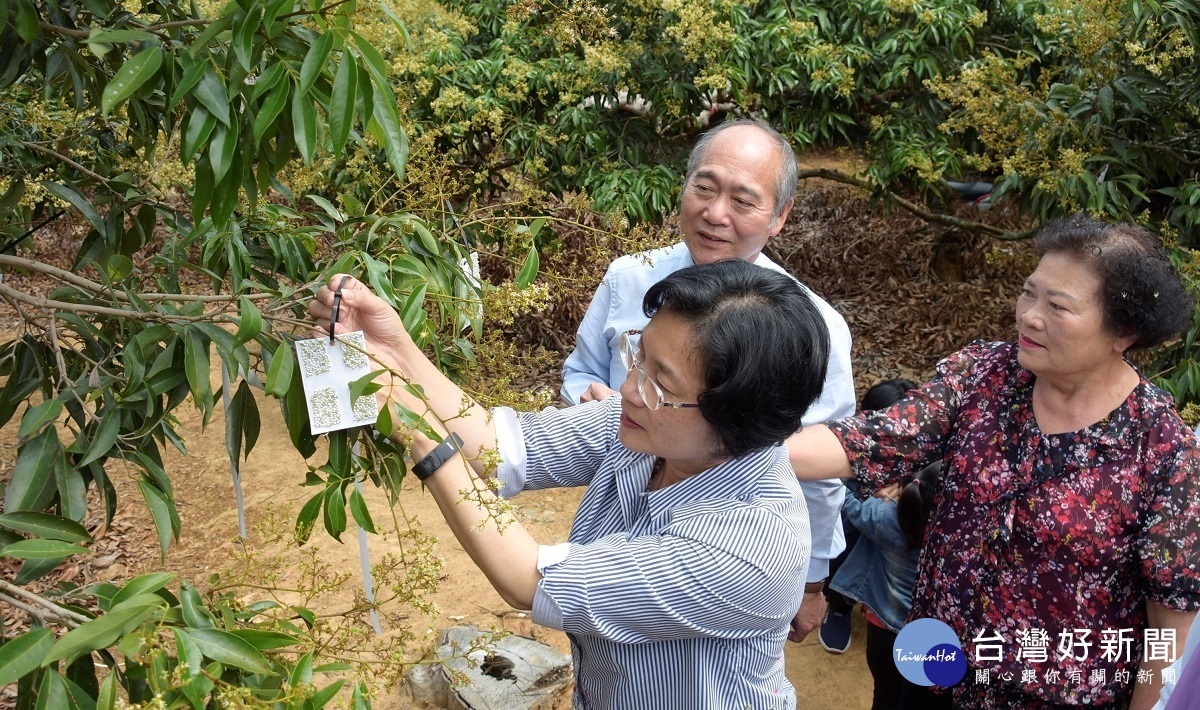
{"x":1060,"y":320}
{"x":683,"y":437}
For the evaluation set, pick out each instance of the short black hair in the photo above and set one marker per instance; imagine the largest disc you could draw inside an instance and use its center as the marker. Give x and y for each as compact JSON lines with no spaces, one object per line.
{"x":762,"y":345}
{"x":1141,"y":293}
{"x":886,"y":393}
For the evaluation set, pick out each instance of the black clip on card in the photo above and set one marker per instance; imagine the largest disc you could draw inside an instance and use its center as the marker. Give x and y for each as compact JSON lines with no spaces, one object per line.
{"x":337,"y":307}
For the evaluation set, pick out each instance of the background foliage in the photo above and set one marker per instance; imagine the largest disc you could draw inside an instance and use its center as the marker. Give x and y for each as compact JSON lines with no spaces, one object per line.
{"x":223,"y":159}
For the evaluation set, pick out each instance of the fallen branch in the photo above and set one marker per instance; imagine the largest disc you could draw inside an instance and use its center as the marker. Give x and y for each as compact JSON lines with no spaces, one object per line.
{"x":950,"y":220}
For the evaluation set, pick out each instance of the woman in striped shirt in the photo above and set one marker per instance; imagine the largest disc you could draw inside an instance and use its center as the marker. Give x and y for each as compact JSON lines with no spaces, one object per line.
{"x":688,"y":554}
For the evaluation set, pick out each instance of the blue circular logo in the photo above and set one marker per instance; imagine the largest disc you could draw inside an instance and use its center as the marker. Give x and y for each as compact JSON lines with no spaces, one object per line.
{"x":927,"y":652}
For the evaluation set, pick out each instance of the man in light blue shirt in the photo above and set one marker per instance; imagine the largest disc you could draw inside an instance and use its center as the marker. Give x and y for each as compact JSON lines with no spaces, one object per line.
{"x":740,"y":187}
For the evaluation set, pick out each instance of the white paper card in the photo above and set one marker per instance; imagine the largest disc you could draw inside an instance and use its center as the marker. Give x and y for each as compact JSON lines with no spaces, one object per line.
{"x":327,"y":371}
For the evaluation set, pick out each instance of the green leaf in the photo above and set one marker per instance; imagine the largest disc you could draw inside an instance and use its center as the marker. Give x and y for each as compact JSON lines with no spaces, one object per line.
{"x":295,"y":413}
{"x":387,"y":130}
{"x":413,"y":311}
{"x":304,"y":125}
{"x":279,"y":373}
{"x":210,"y":92}
{"x":308,"y":518}
{"x":250,"y":321}
{"x":529,"y":270}
{"x":190,"y":659}
{"x":103,"y":438}
{"x":72,"y":490}
{"x":243,"y":37}
{"x":102,"y":36}
{"x":358,"y":508}
{"x":142,"y":584}
{"x":427,"y":239}
{"x":107,"y":699}
{"x":335,"y":512}
{"x":31,"y":486}
{"x":302,"y":671}
{"x":201,"y":44}
{"x":384,"y":422}
{"x":241,"y":422}
{"x":265,"y":640}
{"x":324,"y":695}
{"x":314,"y":62}
{"x":101,"y":632}
{"x":366,"y":384}
{"x":195,"y":360}
{"x":270,"y":109}
{"x":231,"y":650}
{"x":41,"y":550}
{"x":23,"y":653}
{"x":194,"y":612}
{"x":32,"y":570}
{"x":39,"y":416}
{"x":161,"y":509}
{"x":85,"y":208}
{"x":372,"y":58}
{"x":191,"y":76}
{"x":119,"y":267}
{"x":27,"y":23}
{"x":220,"y":150}
{"x":341,"y":104}
{"x":361,"y":697}
{"x":51,"y":527}
{"x":52,"y":694}
{"x":139,"y":69}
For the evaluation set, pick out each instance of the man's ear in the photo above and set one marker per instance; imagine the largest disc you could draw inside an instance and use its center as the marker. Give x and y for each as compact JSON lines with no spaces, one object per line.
{"x":778,"y":222}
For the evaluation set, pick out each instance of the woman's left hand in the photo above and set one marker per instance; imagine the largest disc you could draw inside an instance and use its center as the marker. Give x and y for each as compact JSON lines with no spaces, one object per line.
{"x":361,"y":310}
{"x":891,"y":493}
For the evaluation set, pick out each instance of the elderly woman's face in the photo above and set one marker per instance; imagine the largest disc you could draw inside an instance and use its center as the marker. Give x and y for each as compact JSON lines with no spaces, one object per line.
{"x":682,"y":436}
{"x":1060,"y":320}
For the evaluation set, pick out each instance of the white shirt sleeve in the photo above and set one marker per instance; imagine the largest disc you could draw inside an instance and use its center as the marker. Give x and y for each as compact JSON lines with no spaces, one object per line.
{"x":589,"y":361}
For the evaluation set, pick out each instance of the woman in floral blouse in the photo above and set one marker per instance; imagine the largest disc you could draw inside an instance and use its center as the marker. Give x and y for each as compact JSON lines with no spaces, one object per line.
{"x":1066,"y":542}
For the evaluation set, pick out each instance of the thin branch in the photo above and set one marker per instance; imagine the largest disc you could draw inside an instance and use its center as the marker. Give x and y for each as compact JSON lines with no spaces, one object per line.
{"x":994,"y":232}
{"x":32,"y":611}
{"x":55,"y":154}
{"x":65,"y":614}
{"x":322,"y":11}
{"x":98,"y":310}
{"x":65,"y":31}
{"x":58,"y":356}
{"x":175,"y":23}
{"x":77,"y":280}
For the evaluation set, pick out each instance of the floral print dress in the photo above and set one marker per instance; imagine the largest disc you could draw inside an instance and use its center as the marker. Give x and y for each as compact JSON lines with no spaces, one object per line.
{"x":1043,"y":548}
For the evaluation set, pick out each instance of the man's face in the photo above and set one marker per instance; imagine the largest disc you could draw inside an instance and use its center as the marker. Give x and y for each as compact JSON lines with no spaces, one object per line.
{"x":728,"y":204}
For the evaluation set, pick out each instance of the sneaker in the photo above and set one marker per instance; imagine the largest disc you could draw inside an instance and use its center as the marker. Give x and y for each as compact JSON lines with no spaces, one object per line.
{"x":835,"y":631}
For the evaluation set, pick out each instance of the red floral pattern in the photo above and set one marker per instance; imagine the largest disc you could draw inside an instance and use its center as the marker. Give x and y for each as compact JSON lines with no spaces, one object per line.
{"x":1033,"y":531}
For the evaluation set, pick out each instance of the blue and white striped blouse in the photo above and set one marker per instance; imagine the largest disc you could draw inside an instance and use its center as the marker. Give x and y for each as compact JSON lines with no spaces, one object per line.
{"x":675,"y":598}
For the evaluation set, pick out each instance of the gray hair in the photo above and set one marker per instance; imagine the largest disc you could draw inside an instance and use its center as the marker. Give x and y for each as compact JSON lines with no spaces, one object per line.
{"x":785,"y":187}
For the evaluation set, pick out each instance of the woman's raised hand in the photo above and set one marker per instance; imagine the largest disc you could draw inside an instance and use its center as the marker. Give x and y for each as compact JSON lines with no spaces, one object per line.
{"x":361,"y":310}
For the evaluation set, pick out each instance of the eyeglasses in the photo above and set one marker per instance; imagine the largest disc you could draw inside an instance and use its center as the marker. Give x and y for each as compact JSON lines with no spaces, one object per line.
{"x":651,"y":393}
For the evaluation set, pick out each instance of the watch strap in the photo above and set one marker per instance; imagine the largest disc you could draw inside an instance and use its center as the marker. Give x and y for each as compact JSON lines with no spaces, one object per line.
{"x":438,"y":457}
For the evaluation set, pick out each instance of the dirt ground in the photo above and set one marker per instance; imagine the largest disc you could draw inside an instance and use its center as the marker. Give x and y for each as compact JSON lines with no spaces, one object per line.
{"x":910,"y":293}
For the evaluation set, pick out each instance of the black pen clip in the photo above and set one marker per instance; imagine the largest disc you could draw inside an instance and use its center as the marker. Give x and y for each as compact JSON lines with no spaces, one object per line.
{"x":337,"y":307}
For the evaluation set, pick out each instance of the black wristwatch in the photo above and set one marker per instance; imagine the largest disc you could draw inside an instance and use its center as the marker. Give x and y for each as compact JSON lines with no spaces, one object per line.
{"x":439,"y":456}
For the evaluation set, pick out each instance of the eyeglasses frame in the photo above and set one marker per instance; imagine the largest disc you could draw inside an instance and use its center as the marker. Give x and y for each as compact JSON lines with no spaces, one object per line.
{"x":630,"y":361}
